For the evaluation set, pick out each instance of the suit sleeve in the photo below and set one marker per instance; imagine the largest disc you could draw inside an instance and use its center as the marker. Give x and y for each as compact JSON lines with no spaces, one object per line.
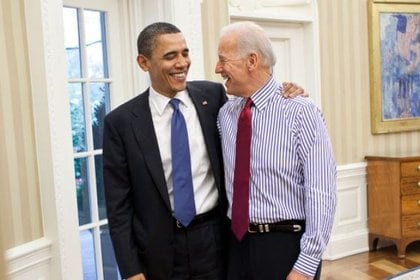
{"x":118,"y":201}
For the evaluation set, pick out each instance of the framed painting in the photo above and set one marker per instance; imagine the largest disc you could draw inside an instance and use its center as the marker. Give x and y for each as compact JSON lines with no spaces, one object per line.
{"x":394,"y":41}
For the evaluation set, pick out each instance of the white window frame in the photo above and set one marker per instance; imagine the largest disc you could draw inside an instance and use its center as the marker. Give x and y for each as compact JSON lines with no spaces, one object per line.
{"x":115,"y":82}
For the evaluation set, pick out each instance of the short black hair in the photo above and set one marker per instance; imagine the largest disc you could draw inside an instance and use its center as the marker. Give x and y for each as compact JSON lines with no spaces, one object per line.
{"x":147,"y":37}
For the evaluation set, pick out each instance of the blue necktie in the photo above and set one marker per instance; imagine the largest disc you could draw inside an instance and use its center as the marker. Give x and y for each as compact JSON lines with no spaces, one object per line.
{"x":184,"y":205}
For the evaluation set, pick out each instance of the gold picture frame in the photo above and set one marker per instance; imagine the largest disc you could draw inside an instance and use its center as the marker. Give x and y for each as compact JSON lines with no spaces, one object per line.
{"x":394,"y":50}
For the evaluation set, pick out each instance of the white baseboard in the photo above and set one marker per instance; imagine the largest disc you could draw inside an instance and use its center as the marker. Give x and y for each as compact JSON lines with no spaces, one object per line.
{"x":345,"y":245}
{"x":29,"y":261}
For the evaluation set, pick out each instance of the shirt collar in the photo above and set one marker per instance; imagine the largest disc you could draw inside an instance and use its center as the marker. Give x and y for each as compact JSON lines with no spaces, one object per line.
{"x":160,"y":102}
{"x":260,"y":97}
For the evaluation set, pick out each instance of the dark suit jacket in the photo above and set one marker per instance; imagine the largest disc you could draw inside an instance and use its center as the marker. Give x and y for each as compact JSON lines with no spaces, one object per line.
{"x":138,"y":207}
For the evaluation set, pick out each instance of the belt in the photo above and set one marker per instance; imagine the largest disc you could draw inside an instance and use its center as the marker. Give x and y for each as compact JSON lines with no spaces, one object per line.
{"x":199,"y":219}
{"x":293,"y":226}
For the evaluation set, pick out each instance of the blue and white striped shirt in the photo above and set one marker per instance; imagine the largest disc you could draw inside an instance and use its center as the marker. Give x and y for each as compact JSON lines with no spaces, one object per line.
{"x":293,"y":171}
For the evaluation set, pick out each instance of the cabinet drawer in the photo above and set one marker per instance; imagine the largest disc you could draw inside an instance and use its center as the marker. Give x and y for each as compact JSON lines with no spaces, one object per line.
{"x":410,"y":186}
{"x":409,"y":169}
{"x":410,"y":204}
{"x":411,"y":226}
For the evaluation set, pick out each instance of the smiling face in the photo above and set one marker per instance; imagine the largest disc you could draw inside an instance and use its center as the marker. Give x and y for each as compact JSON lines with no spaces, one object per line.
{"x":232,"y":68}
{"x":168,"y":65}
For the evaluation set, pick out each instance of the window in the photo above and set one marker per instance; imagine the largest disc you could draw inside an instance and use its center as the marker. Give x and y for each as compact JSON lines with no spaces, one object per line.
{"x":90,"y":86}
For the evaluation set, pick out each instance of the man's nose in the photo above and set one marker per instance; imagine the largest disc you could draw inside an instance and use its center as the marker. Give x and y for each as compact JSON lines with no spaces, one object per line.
{"x":218,"y":68}
{"x":182,"y":61}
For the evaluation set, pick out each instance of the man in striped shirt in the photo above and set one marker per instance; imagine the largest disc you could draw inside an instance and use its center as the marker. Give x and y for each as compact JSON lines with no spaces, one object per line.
{"x":292,"y":182}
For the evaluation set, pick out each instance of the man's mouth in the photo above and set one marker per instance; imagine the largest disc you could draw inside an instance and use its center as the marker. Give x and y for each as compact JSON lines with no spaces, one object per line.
{"x":226,"y":79}
{"x":180,"y":76}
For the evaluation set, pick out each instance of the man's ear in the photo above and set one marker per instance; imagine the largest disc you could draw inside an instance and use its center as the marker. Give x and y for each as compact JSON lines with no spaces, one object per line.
{"x":252,"y":61}
{"x":142,"y":61}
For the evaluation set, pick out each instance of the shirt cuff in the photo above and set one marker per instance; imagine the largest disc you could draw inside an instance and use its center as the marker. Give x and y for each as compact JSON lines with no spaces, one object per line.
{"x":306,"y":265}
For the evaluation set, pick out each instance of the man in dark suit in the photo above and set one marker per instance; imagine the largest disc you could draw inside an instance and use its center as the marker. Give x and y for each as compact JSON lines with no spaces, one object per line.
{"x":149,"y":242}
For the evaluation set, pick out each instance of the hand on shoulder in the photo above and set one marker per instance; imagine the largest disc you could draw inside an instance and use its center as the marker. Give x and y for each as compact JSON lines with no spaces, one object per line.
{"x":294,"y":275}
{"x":291,"y":90}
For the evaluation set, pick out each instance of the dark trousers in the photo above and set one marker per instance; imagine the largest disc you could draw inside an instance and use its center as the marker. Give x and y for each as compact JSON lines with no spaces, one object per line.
{"x":264,"y":256}
{"x":200,"y":251}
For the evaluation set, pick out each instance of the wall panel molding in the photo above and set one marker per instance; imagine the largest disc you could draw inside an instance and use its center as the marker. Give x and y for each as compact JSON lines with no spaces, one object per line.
{"x":350,"y":232}
{"x":29,"y":261}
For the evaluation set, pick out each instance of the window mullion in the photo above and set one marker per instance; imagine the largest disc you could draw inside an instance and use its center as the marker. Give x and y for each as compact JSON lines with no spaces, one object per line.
{"x":88,"y":119}
{"x":88,"y":153}
{"x":98,"y":250}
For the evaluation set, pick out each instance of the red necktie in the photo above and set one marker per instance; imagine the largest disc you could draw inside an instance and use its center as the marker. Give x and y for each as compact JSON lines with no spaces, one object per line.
{"x":240,"y":205}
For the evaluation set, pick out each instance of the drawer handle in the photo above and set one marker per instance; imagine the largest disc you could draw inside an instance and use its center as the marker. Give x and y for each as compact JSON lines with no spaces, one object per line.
{"x":418,"y":184}
{"x":418,"y":224}
{"x":418,"y":167}
{"x":418,"y":202}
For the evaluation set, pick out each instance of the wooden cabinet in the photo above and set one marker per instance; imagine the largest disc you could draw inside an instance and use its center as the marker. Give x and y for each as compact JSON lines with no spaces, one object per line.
{"x":393,"y":200}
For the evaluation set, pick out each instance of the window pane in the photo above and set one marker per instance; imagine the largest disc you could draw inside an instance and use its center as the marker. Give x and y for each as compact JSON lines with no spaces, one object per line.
{"x":95,"y":44}
{"x":99,"y":101}
{"x":77,"y":112}
{"x":100,"y":187}
{"x":82,"y":190}
{"x":71,"y":41}
{"x":109,"y":263}
{"x":88,"y":255}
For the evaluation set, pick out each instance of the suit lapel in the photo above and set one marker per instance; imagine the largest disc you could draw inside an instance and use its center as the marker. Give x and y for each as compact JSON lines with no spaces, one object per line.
{"x":201,"y":103}
{"x":208,"y":127}
{"x":144,"y":132}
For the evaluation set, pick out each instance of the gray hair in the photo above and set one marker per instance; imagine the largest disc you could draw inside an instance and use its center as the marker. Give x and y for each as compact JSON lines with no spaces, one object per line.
{"x":252,"y":38}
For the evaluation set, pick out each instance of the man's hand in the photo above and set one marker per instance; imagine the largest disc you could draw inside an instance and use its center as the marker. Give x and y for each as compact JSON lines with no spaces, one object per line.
{"x":291,"y":90}
{"x":294,"y":275}
{"x":137,"y":277}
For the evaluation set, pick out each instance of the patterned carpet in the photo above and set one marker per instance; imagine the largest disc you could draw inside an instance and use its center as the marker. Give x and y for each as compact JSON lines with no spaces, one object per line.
{"x":411,"y":274}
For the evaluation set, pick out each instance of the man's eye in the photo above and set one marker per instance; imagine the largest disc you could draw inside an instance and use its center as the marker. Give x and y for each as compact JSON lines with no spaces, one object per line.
{"x":169,"y":56}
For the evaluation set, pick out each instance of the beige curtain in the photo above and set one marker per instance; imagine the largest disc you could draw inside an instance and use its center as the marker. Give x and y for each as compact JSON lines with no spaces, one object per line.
{"x":215,"y":15}
{"x":2,"y":263}
{"x":20,"y":207}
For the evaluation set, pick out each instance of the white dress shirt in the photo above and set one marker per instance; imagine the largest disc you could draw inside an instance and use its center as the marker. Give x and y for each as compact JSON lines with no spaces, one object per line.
{"x":205,"y":191}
